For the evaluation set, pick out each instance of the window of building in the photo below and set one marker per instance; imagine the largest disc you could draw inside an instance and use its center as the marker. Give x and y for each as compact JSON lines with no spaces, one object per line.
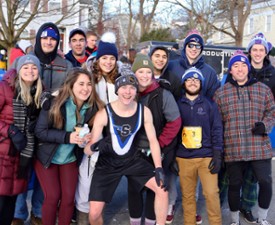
{"x":54,"y":5}
{"x":268,"y":23}
{"x":251,"y":25}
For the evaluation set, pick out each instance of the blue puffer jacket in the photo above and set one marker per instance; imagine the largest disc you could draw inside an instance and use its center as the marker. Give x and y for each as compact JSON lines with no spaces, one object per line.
{"x":211,"y":82}
{"x":204,"y":113}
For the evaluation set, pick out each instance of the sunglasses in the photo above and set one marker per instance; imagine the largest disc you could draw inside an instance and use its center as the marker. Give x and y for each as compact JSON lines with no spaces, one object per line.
{"x":193,"y":45}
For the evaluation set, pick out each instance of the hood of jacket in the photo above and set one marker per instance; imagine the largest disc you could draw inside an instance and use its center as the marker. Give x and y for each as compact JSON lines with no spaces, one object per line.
{"x":45,"y":58}
{"x":167,"y":53}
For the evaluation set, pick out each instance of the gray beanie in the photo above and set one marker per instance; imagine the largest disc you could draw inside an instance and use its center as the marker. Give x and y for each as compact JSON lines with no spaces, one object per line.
{"x":28,"y":59}
{"x":127,"y":79}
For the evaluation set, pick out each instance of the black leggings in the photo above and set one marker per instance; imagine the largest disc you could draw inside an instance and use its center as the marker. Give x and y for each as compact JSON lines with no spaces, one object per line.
{"x":135,"y":202}
{"x":262,"y":172}
{"x":7,"y":207}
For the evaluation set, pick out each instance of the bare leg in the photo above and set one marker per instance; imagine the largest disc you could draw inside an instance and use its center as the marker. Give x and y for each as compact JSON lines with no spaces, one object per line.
{"x":161,"y":201}
{"x":95,"y":214}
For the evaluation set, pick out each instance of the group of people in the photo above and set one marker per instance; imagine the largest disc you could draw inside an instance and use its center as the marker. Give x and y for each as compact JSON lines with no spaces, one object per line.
{"x":152,"y":120}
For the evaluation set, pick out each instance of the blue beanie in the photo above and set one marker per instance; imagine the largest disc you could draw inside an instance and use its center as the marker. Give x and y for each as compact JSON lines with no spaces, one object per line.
{"x":49,"y":32}
{"x":193,"y":36}
{"x":27,"y":59}
{"x":238,"y":56}
{"x":192,"y":72}
{"x":107,"y":45}
{"x":260,"y":40}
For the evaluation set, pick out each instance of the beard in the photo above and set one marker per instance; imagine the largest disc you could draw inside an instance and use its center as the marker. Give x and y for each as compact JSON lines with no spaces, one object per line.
{"x":192,"y":93}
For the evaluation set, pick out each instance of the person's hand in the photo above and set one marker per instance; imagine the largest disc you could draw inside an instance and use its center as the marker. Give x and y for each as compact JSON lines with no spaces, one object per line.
{"x":87,"y":149}
{"x":160,"y":178}
{"x":74,"y":138}
{"x":259,"y":128}
{"x":216,"y":162}
{"x":87,"y":138}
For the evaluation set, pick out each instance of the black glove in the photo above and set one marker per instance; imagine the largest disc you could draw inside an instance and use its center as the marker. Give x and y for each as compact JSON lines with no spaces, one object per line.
{"x":259,"y":128}
{"x":18,"y":139}
{"x":160,"y":177}
{"x":45,"y":100}
{"x":216,"y":162}
{"x":100,"y":145}
{"x":32,"y":125}
{"x":24,"y":169}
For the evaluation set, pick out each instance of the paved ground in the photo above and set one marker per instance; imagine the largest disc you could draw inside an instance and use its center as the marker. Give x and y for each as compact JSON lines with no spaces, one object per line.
{"x":116,"y":213}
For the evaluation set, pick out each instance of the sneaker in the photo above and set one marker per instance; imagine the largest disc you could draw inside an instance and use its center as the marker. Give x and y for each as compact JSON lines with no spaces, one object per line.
{"x":35,"y":220}
{"x":248,"y":217}
{"x":16,"y":221}
{"x":170,"y":214}
{"x":198,"y":219}
{"x":264,"y":222}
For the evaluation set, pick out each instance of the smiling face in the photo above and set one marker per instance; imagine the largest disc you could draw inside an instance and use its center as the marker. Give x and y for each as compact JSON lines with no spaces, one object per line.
{"x":107,"y":63}
{"x":192,"y":51}
{"x":239,"y":72}
{"x":48,"y":44}
{"x":78,"y":45}
{"x":144,"y":77}
{"x":82,"y":89}
{"x":127,"y":94}
{"x":29,"y":73}
{"x":192,"y":86}
{"x":257,"y":53}
{"x":159,"y":59}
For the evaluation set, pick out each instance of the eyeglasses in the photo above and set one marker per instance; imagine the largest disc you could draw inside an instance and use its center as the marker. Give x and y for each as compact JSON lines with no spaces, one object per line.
{"x":195,"y":80}
{"x":193,"y":45}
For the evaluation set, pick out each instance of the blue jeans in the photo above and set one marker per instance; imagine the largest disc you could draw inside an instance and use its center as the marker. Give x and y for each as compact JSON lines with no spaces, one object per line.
{"x":21,"y":208}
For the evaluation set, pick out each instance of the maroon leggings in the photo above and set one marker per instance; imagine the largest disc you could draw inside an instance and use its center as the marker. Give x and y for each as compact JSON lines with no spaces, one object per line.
{"x":58,"y":183}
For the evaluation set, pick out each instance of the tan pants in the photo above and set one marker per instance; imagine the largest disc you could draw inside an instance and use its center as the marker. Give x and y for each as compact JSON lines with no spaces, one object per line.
{"x":189,"y":170}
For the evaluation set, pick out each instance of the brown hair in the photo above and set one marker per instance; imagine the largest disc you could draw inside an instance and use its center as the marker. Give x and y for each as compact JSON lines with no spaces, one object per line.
{"x":65,"y":92}
{"x":98,"y":73}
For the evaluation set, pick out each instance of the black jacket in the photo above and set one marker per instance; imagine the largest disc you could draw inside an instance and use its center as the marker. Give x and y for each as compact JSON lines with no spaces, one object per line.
{"x":50,"y":138}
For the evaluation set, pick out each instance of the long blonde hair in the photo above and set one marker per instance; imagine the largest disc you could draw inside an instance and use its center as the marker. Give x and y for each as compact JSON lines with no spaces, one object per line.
{"x":24,"y":90}
{"x":66,"y":91}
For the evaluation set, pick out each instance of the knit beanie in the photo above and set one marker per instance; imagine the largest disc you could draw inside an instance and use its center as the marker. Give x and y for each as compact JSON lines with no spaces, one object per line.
{"x":260,"y":40}
{"x":49,"y":32}
{"x":24,"y":44}
{"x":142,"y":61}
{"x":237,"y":56}
{"x":107,"y":46}
{"x":27,"y":59}
{"x":192,"y":72}
{"x":128,"y":79}
{"x":193,"y":36}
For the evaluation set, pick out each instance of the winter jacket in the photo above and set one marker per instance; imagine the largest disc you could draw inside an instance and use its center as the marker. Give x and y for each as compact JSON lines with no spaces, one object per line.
{"x":69,"y":56}
{"x":14,"y":54}
{"x":204,"y":113}
{"x":166,"y":120}
{"x":168,"y":75}
{"x":9,"y":183}
{"x":241,"y":107}
{"x":54,"y":67}
{"x":265,"y":75}
{"x":50,"y":137}
{"x":178,"y":67}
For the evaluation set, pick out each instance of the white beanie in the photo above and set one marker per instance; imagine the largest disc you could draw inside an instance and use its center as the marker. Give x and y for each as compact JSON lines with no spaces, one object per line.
{"x":24,"y":44}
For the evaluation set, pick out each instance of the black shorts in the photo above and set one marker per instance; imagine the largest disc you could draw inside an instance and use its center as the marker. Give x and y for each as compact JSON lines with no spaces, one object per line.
{"x":106,"y":179}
